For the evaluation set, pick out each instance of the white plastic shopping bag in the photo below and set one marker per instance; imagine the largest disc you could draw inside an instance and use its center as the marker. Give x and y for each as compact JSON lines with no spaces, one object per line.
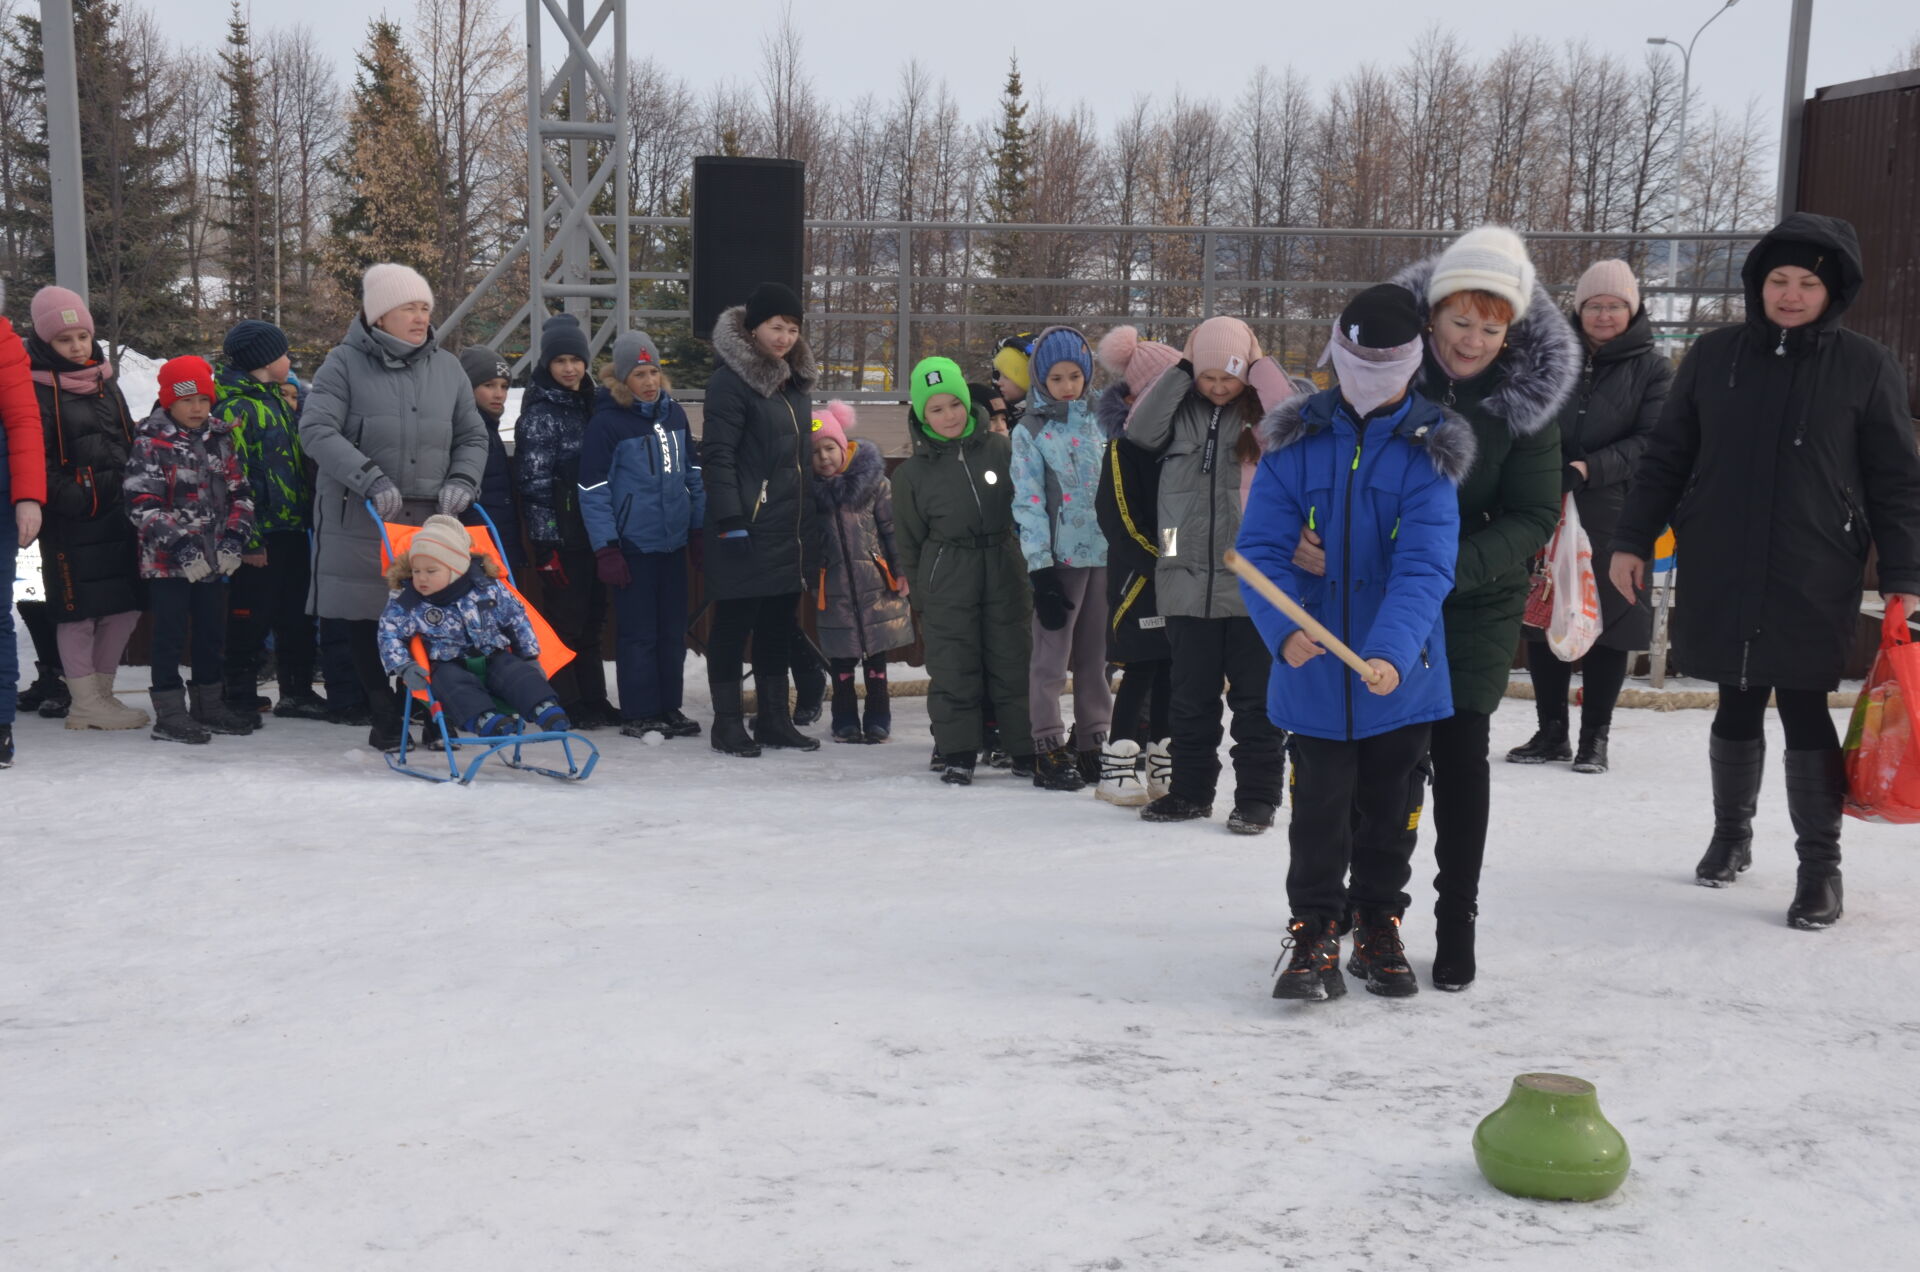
{"x":1576,"y":593}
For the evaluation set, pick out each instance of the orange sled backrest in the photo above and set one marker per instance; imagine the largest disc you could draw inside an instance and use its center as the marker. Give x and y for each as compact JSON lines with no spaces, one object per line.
{"x":553,"y":654}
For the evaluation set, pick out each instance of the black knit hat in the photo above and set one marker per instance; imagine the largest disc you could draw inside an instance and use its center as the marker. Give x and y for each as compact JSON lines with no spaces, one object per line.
{"x":772,"y":300}
{"x":254,"y":344}
{"x":1815,"y":259}
{"x":482,"y":364}
{"x":1381,"y":317}
{"x":561,"y":335}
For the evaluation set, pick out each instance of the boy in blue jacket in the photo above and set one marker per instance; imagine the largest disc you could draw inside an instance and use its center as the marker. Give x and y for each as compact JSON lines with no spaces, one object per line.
{"x":1372,"y":467}
{"x":641,"y":498}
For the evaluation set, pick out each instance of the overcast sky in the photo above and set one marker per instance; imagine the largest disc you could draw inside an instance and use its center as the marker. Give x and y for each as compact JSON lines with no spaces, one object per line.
{"x":857,"y":46}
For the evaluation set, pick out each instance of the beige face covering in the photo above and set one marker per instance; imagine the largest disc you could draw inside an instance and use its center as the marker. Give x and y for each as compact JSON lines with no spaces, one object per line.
{"x":1370,"y":378}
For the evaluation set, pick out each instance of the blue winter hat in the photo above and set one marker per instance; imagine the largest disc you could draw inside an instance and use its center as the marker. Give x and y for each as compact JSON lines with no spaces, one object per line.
{"x":1057,"y":345}
{"x":254,"y":344}
{"x":561,"y":335}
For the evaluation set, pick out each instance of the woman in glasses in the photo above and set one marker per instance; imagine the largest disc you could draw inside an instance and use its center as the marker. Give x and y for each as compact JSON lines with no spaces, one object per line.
{"x":1603,"y":428}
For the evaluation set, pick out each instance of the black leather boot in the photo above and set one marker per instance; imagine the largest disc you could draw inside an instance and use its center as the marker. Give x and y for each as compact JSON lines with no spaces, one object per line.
{"x":1737,"y":768}
{"x":773,"y":721}
{"x":729,"y":725}
{"x":1816,"y":794}
{"x":1453,"y":965}
{"x":1548,"y":745}
{"x":1592,"y":755}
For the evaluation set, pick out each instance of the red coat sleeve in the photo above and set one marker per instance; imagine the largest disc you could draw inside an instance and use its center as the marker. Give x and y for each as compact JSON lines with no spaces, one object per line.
{"x":20,"y":415}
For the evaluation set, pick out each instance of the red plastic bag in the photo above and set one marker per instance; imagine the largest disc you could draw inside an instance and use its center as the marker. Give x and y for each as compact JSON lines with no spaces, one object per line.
{"x":1883,"y":739}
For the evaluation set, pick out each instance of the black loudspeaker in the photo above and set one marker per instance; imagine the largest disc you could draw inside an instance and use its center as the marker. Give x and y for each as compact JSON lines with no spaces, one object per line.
{"x":747,"y":229}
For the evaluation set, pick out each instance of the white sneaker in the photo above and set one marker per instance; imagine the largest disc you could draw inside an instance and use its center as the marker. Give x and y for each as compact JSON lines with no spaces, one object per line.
{"x":1159,"y":768}
{"x":1120,"y":775}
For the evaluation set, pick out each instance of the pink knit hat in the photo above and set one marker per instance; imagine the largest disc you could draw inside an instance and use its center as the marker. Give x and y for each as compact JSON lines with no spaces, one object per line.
{"x":836,"y":419}
{"x":1223,"y":344}
{"x":1608,"y":278}
{"x":1139,"y":362}
{"x":1271,"y":381}
{"x":57,"y":310}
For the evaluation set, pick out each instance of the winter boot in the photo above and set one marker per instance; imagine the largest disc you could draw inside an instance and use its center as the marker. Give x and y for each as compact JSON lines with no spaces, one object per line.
{"x":959,"y":768}
{"x":1020,"y":767}
{"x":1816,"y":793}
{"x":1313,"y":973}
{"x":172,"y":722}
{"x":809,"y":688}
{"x":295,"y":705}
{"x":877,"y":720}
{"x":1548,"y":745}
{"x":88,"y":711}
{"x":993,"y":751}
{"x":1737,"y":768}
{"x":6,"y":746}
{"x":938,"y":764}
{"x":729,"y":729}
{"x":211,"y":710}
{"x":1120,"y":774}
{"x":47,"y":696}
{"x":649,"y":724}
{"x":846,"y":709}
{"x":1250,"y":817}
{"x":1453,"y":968}
{"x":1055,"y":770}
{"x":128,"y":717}
{"x":1172,"y":808}
{"x":1086,"y":757}
{"x":1159,"y":768}
{"x":680,"y":724}
{"x":772,"y":723}
{"x":1379,"y":957}
{"x":243,"y":694}
{"x":1592,"y":755}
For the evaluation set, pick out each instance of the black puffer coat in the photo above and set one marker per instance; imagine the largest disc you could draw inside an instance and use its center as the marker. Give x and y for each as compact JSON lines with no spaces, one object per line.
{"x":754,"y":446}
{"x":1780,"y":455}
{"x":1129,"y":494}
{"x":89,"y":554}
{"x":1606,"y":423}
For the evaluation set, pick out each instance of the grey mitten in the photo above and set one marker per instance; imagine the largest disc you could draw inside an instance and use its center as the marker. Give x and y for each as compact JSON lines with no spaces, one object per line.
{"x":387,"y":503}
{"x":195,"y":570}
{"x":229,"y":560}
{"x":414,"y":676}
{"x":454,"y":498}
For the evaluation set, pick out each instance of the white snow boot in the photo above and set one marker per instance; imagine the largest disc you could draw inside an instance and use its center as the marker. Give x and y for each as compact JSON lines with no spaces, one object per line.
{"x":1159,"y":768}
{"x":129,"y":717}
{"x":91,"y":710}
{"x":1120,"y":774}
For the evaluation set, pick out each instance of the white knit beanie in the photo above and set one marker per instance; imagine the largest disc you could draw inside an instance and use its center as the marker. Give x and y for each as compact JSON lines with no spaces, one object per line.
{"x":1608,"y":278}
{"x":388,"y":286}
{"x":444,"y":540}
{"x":1491,"y":259}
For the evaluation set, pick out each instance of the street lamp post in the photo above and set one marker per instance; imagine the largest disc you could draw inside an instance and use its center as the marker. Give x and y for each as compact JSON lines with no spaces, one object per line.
{"x":1680,"y":150}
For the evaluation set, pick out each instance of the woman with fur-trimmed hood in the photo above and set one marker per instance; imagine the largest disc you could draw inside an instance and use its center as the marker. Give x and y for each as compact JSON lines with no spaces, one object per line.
{"x":755,"y":449}
{"x":859,"y":590}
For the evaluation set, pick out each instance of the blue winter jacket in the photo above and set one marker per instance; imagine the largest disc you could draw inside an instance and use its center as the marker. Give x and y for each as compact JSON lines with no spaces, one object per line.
{"x":469,"y":618}
{"x":1059,"y":451}
{"x":1381,"y":495}
{"x":546,"y":441}
{"x":640,"y":473}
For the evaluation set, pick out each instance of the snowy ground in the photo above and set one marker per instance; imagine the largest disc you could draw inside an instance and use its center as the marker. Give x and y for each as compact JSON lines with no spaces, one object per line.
{"x":265,"y":1005}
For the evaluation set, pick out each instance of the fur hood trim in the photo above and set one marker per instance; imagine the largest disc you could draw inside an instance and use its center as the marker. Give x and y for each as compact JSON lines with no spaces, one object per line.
{"x":733,"y":345}
{"x":1448,"y":440}
{"x":1537,"y":371}
{"x":857,"y":482}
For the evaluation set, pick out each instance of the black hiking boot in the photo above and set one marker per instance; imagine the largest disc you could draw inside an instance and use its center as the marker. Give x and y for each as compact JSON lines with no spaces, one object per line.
{"x":1816,"y":794}
{"x":1020,"y":767}
{"x":1548,"y":745}
{"x":1592,"y":755}
{"x":1056,"y":770}
{"x":302,"y":706}
{"x":772,"y":721}
{"x":680,"y":724}
{"x":647,"y":724}
{"x":730,"y":734}
{"x":1313,"y":973}
{"x":1380,"y":957}
{"x":48,"y":696}
{"x":1249,"y":818}
{"x":1736,"y":768}
{"x":1453,"y":966}
{"x":958,"y":769}
{"x":993,"y":752}
{"x":1173,"y":808}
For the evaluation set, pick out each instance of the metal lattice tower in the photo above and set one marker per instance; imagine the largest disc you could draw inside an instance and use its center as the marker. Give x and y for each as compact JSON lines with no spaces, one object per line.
{"x":580,"y":108}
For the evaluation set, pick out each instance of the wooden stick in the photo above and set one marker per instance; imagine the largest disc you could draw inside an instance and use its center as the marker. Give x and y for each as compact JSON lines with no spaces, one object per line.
{"x":1291,"y":608}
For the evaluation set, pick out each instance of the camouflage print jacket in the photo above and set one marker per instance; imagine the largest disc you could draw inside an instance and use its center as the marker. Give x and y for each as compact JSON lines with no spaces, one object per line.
{"x":186,"y":494}
{"x":470,"y":618}
{"x":268,"y":439}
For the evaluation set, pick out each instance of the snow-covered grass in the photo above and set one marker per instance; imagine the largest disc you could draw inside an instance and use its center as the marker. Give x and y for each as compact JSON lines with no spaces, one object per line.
{"x":267,"y":1005}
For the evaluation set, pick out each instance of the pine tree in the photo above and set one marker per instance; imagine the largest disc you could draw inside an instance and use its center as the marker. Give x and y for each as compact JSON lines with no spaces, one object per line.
{"x":1008,"y":198}
{"x":26,"y":215}
{"x":386,"y":169}
{"x":248,"y":219}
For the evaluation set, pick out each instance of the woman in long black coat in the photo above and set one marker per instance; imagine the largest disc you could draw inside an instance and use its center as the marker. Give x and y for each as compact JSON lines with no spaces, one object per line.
{"x":1785,"y":449}
{"x":1604,"y":427}
{"x":755,"y":444}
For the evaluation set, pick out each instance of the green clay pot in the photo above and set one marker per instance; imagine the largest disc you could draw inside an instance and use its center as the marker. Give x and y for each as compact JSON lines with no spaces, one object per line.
{"x":1550,"y":1141}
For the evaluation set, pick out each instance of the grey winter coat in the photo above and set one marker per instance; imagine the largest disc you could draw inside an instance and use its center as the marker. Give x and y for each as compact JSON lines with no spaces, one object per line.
{"x":381,"y":408}
{"x":852,"y":562}
{"x":1199,"y":504}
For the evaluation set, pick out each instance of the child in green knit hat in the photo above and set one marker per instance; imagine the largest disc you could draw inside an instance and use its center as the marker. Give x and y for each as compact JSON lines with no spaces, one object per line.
{"x":953,"y":523}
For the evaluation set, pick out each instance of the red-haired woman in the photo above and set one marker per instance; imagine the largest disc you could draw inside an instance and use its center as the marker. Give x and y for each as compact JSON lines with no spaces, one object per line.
{"x":1499,"y":353}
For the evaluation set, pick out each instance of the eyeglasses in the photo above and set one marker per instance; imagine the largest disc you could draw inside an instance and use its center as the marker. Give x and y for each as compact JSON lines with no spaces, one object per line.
{"x":1599,"y":310}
